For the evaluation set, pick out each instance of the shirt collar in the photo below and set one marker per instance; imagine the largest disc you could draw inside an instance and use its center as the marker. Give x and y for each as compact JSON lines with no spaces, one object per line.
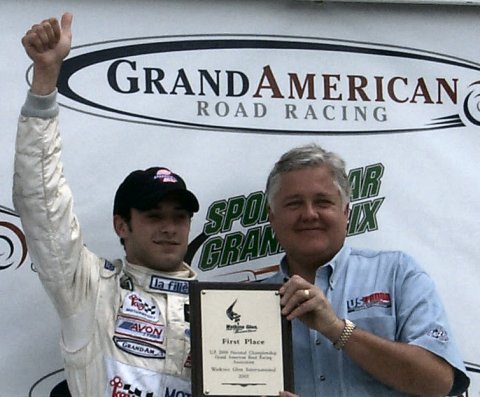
{"x":334,"y":265}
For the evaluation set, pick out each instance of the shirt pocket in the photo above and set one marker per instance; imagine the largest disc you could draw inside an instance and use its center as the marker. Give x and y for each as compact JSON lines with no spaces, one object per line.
{"x":379,"y":321}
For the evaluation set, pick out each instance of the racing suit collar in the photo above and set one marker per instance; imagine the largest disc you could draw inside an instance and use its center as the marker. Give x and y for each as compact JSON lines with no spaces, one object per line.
{"x":158,"y":281}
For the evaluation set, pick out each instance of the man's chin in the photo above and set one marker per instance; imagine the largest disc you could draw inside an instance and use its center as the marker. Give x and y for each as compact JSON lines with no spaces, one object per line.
{"x":167,"y":264}
{"x":311,"y":251}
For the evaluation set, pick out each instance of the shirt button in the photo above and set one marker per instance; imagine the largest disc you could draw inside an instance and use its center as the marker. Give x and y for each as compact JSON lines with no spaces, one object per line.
{"x":322,"y":378}
{"x":318,"y":342}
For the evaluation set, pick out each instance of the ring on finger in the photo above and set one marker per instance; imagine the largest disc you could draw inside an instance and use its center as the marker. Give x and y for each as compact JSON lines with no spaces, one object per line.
{"x":306,"y":293}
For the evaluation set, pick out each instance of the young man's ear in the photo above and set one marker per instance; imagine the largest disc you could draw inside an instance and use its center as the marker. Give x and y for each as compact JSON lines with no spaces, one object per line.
{"x":120,"y":225}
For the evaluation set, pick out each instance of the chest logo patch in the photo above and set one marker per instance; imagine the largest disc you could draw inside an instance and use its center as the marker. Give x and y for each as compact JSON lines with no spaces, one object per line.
{"x":138,"y":348}
{"x":169,"y":285}
{"x":120,"y":388}
{"x":138,"y":306}
{"x":377,"y":299}
{"x":140,"y":329}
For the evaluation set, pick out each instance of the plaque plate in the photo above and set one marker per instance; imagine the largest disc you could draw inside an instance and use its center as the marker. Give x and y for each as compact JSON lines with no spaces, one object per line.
{"x":241,"y":344}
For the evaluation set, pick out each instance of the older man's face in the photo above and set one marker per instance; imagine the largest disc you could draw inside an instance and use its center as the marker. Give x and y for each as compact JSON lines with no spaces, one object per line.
{"x":308,"y":215}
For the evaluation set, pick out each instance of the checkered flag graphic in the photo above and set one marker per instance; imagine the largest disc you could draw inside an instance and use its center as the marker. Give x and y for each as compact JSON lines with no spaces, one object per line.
{"x":136,"y":392}
{"x":150,"y":309}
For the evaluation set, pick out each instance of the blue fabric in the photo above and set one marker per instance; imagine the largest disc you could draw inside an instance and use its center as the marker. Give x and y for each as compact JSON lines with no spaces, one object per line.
{"x":384,"y":292}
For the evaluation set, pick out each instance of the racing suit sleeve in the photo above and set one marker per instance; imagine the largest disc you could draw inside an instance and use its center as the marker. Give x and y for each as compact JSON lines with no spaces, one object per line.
{"x":68,"y":271}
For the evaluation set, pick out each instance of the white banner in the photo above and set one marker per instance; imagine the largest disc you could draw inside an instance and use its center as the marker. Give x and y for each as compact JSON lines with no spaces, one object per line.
{"x":216,"y":91}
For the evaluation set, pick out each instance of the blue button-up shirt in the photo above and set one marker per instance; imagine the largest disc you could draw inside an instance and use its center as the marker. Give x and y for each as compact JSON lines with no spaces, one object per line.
{"x":385,"y":293}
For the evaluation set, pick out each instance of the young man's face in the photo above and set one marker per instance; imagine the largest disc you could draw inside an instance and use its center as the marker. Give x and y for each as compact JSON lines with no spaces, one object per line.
{"x":308,"y":215}
{"x":157,"y":238}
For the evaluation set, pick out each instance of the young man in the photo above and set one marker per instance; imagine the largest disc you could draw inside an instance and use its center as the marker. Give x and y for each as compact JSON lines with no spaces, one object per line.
{"x":125,"y":327}
{"x":365,"y":323}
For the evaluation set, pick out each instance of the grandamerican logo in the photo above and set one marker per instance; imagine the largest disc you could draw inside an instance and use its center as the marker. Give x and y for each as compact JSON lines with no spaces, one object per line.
{"x":329,"y":86}
{"x":139,"y":348}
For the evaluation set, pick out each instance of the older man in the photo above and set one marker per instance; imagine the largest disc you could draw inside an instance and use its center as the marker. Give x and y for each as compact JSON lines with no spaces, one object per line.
{"x":365,"y":323}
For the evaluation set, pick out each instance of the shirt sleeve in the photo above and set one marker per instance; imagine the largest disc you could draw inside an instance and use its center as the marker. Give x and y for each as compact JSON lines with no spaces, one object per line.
{"x":43,"y":107}
{"x":422,"y":320}
{"x":45,"y":204}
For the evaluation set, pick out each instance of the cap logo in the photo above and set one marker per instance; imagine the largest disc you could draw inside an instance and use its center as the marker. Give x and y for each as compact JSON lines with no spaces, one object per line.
{"x":165,"y":176}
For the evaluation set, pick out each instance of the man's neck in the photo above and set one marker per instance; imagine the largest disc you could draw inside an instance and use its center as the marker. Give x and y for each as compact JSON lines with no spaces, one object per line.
{"x":306,"y":267}
{"x":304,"y":270}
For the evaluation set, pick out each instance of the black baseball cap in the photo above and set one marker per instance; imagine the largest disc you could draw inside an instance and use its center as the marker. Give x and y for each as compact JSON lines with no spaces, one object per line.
{"x":144,"y":189}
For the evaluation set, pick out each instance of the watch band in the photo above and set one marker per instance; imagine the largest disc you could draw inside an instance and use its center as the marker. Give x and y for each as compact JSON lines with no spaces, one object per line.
{"x":345,"y":336}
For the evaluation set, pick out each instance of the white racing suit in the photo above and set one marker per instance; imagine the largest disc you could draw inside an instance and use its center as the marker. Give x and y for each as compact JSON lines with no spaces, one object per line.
{"x":125,"y":329}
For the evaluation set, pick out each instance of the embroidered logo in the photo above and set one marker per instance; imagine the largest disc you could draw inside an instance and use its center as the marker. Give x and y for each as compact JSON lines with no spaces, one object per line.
{"x":126,"y":283}
{"x":138,"y":348}
{"x":140,"y":329}
{"x":127,"y":390}
{"x":439,"y":333}
{"x":379,"y":299}
{"x":137,"y":306}
{"x":165,"y":176}
{"x":169,"y":285}
{"x":109,"y":266}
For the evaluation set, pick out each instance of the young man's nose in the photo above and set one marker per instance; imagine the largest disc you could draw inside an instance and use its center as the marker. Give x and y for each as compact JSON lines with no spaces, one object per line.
{"x":167,"y":225}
